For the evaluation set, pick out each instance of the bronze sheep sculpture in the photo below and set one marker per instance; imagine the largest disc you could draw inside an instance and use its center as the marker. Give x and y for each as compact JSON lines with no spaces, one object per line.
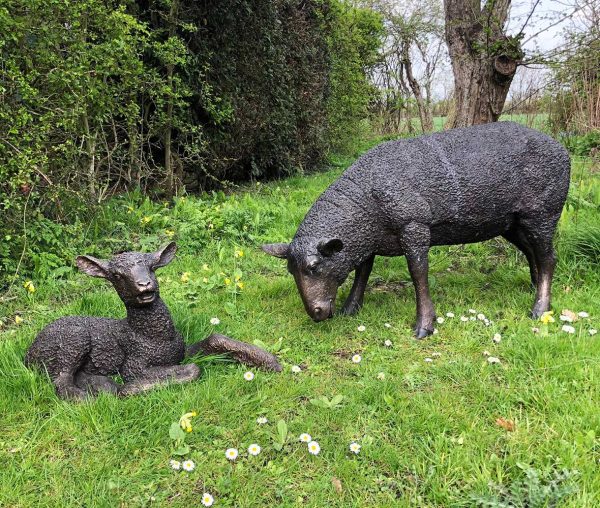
{"x":81,"y":354}
{"x":404,"y":197}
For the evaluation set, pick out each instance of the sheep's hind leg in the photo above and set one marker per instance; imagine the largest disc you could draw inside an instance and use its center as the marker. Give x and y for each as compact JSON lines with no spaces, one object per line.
{"x":242,"y":352}
{"x":95,"y":384}
{"x":160,"y":376}
{"x":66,"y":387}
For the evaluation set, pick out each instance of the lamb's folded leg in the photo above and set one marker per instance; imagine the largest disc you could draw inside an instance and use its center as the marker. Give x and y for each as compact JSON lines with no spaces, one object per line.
{"x":95,"y":384}
{"x":242,"y":352}
{"x":160,"y":376}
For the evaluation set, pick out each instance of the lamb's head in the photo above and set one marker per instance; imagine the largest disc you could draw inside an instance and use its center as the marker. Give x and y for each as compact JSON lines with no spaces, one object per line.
{"x":131,"y":273}
{"x":319,"y":268}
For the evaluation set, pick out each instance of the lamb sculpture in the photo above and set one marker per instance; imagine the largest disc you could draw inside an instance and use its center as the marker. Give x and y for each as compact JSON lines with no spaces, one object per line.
{"x":81,"y":353}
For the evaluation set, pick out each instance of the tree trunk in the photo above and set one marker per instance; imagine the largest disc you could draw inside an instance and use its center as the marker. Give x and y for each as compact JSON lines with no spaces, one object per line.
{"x":424,"y":111}
{"x":484,"y":60}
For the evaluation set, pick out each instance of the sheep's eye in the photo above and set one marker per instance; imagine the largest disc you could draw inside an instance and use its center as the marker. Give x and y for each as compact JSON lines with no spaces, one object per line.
{"x":312,"y":267}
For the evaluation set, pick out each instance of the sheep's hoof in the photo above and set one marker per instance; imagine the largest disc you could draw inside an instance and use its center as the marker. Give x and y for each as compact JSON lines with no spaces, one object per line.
{"x":421,"y":333}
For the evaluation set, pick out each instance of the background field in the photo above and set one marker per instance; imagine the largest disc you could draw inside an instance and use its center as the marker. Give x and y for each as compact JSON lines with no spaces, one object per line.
{"x":427,"y":430}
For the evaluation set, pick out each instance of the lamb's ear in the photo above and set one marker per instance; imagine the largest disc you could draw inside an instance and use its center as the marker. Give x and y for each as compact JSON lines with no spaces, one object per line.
{"x":92,"y":266}
{"x":330,"y":247}
{"x":279,"y":250}
{"x":164,"y":256}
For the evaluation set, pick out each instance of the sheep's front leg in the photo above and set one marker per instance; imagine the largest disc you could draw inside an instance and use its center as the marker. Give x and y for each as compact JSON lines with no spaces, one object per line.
{"x":160,"y":376}
{"x":415,"y":245}
{"x":242,"y":352}
{"x":354,"y":301}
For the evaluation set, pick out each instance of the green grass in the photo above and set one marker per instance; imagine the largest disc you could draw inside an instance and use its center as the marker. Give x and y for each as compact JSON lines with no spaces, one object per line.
{"x":428,"y":429}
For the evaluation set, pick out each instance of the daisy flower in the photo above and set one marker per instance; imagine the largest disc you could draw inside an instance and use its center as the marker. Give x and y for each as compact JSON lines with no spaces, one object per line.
{"x":583,"y":314}
{"x":568,"y":329}
{"x":481,"y":317}
{"x":428,"y":360}
{"x":472,"y":318}
{"x":207,"y":499}
{"x":188,"y":465}
{"x":592,"y":331}
{"x":486,"y":353}
{"x":296,"y":369}
{"x":440,"y":320}
{"x":305,"y":438}
{"x":231,"y":454}
{"x":387,"y":325}
{"x":248,"y":376}
{"x":356,"y":359}
{"x":314,"y":448}
{"x":464,"y":319}
{"x":261,"y":420}
{"x":355,"y":448}
{"x":175,"y":464}
{"x":563,"y":317}
{"x":254,"y":449}
{"x":497,"y":338}
{"x":387,"y":343}
{"x":381,"y":376}
{"x":215,"y":321}
{"x":493,"y":359}
{"x":450,"y":314}
{"x":361,"y":328}
{"x":436,"y":354}
{"x":535,"y":329}
{"x":435,"y":331}
{"x":472,"y":311}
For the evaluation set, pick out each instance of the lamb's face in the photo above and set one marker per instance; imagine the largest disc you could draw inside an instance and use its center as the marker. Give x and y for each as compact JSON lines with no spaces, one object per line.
{"x":131,"y":273}
{"x":318,"y":269}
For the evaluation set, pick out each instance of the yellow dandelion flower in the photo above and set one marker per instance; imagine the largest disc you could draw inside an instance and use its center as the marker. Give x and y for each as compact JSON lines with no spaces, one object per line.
{"x":240,"y":285}
{"x":169,"y":233}
{"x":29,"y":286}
{"x":185,"y":277}
{"x":227,"y":282}
{"x":185,"y":421}
{"x":18,"y":320}
{"x":237,"y":278}
{"x":146,"y":219}
{"x":239,"y":253}
{"x":546,"y":317}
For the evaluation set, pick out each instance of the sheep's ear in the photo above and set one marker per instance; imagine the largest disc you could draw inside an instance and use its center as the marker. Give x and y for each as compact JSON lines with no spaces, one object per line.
{"x":279,"y":250}
{"x":165,"y":255}
{"x":330,"y":247}
{"x":92,"y":266}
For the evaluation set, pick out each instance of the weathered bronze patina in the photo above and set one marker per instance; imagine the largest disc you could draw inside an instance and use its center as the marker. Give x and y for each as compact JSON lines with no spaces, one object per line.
{"x":81,"y":353}
{"x":403,"y":197}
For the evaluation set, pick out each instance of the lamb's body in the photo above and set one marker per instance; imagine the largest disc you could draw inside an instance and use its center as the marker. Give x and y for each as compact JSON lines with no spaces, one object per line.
{"x":402,"y":197}
{"x":81,"y":353}
{"x":107,"y":347}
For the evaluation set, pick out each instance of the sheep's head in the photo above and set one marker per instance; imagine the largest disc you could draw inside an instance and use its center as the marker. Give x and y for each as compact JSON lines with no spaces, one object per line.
{"x":131,"y":273}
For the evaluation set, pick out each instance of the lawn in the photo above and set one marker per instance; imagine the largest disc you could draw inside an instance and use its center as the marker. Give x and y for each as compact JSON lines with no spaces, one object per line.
{"x":429,"y":431}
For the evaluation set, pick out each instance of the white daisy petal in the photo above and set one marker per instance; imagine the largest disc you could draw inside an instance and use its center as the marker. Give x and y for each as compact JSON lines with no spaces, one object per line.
{"x":231,"y":454}
{"x":254,"y":449}
{"x":314,"y":448}
{"x":355,"y":448}
{"x":356,"y":359}
{"x":361,"y":328}
{"x":568,"y":329}
{"x":249,"y":376}
{"x":207,"y":499}
{"x":215,"y":321}
{"x":305,"y":438}
{"x":493,"y":359}
{"x":583,"y":314}
{"x":450,"y":314}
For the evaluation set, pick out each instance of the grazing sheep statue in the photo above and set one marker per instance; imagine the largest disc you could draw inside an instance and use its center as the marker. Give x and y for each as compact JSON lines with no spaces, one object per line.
{"x":403,"y":197}
{"x":80,"y":353}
